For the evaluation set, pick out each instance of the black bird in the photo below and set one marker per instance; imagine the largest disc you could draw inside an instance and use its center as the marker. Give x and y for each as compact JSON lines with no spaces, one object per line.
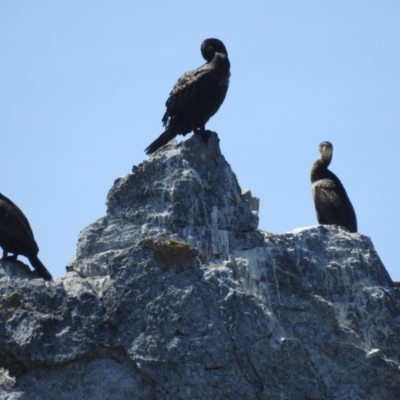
{"x":16,"y":237}
{"x":332,"y":204}
{"x":197,"y":95}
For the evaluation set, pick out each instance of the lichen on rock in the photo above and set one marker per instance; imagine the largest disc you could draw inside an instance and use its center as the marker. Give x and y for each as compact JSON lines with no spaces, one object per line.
{"x":171,"y":254}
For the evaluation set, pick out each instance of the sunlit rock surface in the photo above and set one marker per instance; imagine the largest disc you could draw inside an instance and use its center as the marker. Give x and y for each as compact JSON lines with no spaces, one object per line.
{"x":175,"y":294}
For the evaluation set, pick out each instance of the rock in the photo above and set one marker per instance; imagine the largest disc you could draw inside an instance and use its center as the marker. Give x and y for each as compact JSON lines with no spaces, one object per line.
{"x":175,"y":294}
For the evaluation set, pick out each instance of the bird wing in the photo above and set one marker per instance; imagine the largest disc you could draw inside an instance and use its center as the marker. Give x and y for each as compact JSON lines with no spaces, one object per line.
{"x":333,"y":205}
{"x":14,"y":223}
{"x":18,"y":211}
{"x":186,"y":91}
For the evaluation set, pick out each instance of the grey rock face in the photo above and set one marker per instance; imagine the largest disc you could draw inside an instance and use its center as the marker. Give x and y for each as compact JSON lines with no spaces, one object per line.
{"x":175,"y":294}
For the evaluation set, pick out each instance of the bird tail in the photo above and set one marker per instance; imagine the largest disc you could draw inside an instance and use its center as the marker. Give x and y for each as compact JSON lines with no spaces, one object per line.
{"x":40,"y":268}
{"x":163,"y":139}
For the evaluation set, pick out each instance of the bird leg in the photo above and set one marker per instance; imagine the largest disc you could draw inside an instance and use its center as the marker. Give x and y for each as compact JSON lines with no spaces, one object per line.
{"x":9,"y":258}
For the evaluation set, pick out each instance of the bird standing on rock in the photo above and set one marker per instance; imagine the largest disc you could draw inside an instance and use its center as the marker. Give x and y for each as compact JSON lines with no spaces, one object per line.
{"x":197,"y":96}
{"x":332,"y":204}
{"x":16,"y":237}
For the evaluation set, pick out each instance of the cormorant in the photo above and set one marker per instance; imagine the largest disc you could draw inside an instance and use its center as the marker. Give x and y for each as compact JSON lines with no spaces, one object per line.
{"x":197,"y":95}
{"x":16,"y":236}
{"x":332,"y":204}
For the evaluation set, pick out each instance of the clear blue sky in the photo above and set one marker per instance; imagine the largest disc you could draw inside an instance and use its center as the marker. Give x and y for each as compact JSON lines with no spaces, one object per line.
{"x":83,"y":86}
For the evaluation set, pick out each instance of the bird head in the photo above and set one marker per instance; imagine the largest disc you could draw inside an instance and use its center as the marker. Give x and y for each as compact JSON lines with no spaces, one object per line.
{"x":211,"y":46}
{"x":326,"y":149}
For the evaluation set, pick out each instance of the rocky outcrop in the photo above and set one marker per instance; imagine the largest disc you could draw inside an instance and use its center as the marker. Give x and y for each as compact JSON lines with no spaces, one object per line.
{"x":175,"y":294}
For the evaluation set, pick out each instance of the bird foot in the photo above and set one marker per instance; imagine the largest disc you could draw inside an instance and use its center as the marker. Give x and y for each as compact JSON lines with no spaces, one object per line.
{"x":205,"y":135}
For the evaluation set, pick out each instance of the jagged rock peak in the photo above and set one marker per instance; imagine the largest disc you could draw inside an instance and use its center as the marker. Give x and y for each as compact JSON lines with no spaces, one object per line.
{"x":175,"y":294}
{"x":186,"y":192}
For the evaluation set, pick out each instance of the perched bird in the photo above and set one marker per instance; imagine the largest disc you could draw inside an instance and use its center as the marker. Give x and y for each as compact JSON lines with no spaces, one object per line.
{"x":16,"y":237}
{"x":197,"y":95}
{"x":332,"y":204}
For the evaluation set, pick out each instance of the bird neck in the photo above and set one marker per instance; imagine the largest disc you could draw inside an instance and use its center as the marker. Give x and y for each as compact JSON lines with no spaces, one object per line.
{"x":319,"y":170}
{"x":221,"y":61}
